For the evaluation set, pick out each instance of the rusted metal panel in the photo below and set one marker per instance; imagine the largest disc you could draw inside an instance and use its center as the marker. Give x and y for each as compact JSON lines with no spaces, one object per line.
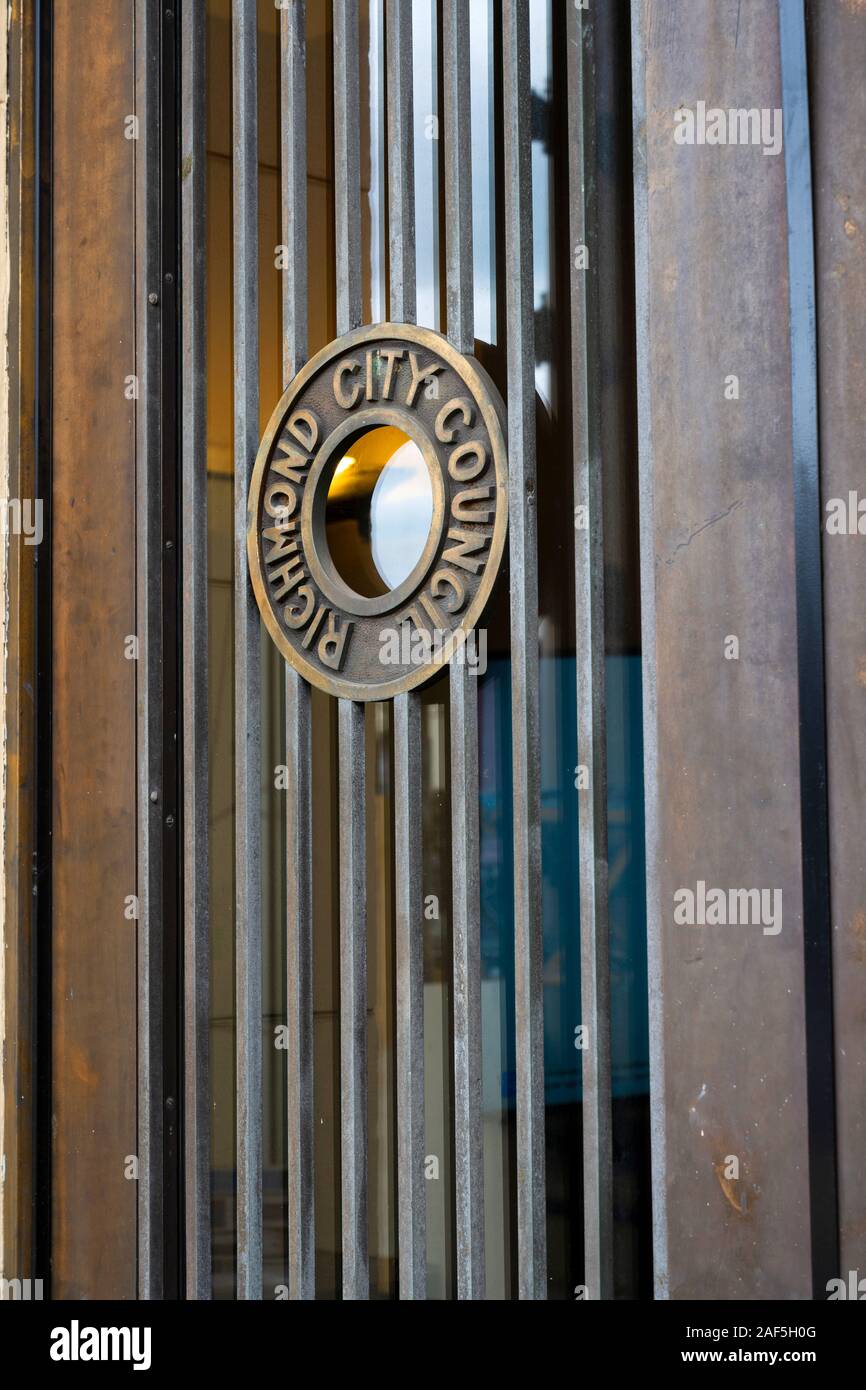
{"x":94,"y":785}
{"x":155,"y":796}
{"x":718,"y":563}
{"x":837,"y":55}
{"x":20,"y":883}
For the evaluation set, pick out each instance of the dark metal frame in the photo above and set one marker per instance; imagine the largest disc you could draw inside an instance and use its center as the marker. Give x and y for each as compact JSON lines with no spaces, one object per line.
{"x":808,"y":517}
{"x":158,"y":600}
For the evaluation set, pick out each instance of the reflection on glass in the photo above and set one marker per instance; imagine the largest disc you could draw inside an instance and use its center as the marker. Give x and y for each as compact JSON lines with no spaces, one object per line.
{"x":379,"y":511}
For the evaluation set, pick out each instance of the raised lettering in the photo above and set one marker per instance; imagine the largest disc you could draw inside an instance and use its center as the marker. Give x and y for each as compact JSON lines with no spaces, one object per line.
{"x":348,"y":400}
{"x":465,"y":472}
{"x":458,"y":406}
{"x":419,"y":376}
{"x":461,"y":510}
{"x":393,"y":356}
{"x":295,"y":616}
{"x":442,"y":581}
{"x":468,"y":544}
{"x":333,"y":643}
{"x":282,"y":509}
{"x":305,"y":428}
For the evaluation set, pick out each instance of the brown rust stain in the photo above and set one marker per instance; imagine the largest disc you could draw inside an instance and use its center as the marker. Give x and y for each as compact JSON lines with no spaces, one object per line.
{"x":858,"y":936}
{"x":735,"y":1191}
{"x":861,"y":674}
{"x":82,"y":1070}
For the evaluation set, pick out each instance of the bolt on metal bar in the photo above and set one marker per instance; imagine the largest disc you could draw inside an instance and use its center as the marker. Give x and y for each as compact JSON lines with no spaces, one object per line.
{"x":196,"y":922}
{"x":465,"y":852}
{"x":590,"y":668}
{"x":411,"y":1185}
{"x":401,"y":162}
{"x":347,"y":166}
{"x":248,"y":924}
{"x":526,"y":759}
{"x":353,"y":1000}
{"x":299,"y":866}
{"x":151,"y":807}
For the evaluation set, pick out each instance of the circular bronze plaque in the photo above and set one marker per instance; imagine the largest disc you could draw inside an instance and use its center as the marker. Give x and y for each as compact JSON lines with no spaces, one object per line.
{"x":373,"y":644}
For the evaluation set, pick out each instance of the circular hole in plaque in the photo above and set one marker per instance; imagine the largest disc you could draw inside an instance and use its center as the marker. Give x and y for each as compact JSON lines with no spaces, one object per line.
{"x":379,"y":511}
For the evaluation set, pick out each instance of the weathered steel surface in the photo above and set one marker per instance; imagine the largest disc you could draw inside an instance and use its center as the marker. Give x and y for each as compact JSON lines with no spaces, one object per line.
{"x":465,"y":829}
{"x":353,"y":1002}
{"x":456,"y":57}
{"x":347,"y":166}
{"x":152,"y":810}
{"x":299,"y":989}
{"x":837,"y":54}
{"x":94,"y":788}
{"x":19,"y":1075}
{"x":409,"y":968}
{"x":196,"y":917}
{"x":299,"y":850}
{"x":525,"y":741}
{"x":247,"y":663}
{"x":589,"y":666}
{"x":718,"y":562}
{"x":810,"y":650}
{"x":401,"y":162}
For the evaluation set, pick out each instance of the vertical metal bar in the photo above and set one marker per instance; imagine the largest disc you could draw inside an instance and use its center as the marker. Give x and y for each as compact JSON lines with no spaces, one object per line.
{"x":299,"y":995}
{"x":401,"y":162}
{"x":293,"y":144}
{"x":353,"y":1000}
{"x":458,"y":175}
{"x":248,"y":925}
{"x":466,"y":907}
{"x":197,"y":1108}
{"x":589,"y":663}
{"x":299,"y":913}
{"x":646,"y":489}
{"x":353,"y":924}
{"x":526,"y":759}
{"x":466,"y":900}
{"x":151,"y":793}
{"x":411,"y":1190}
{"x":347,"y":166}
{"x":818,"y":975}
{"x":411,"y":1186}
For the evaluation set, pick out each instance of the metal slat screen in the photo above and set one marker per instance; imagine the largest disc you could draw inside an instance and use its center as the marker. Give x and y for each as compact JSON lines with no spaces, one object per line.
{"x":516,"y":118}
